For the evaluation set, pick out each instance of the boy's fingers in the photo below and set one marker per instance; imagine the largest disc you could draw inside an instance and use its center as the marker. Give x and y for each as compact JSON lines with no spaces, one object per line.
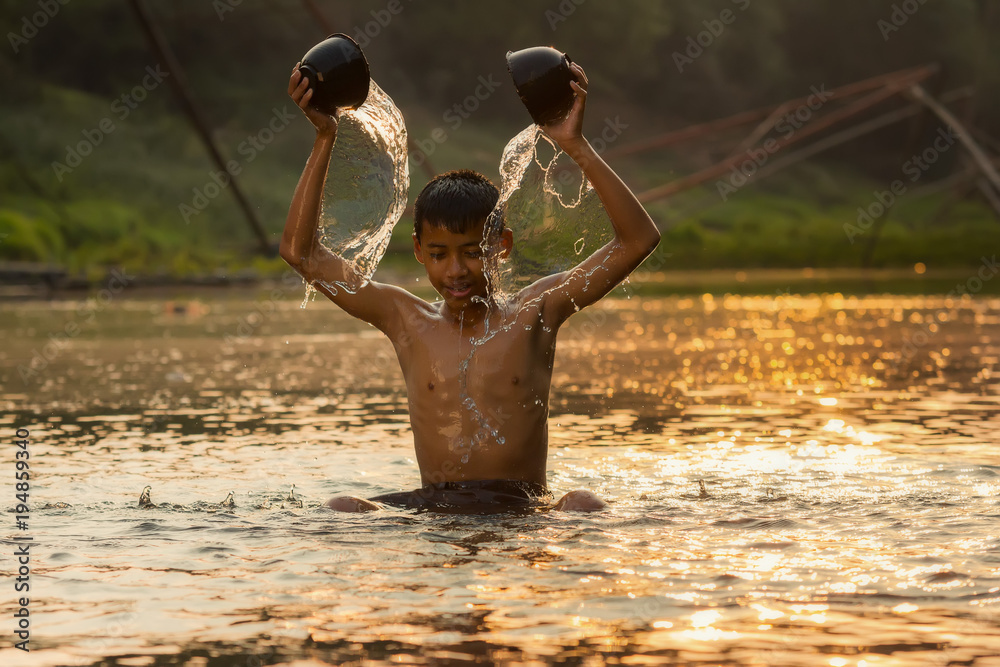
{"x":303,"y":100}
{"x":302,"y":87}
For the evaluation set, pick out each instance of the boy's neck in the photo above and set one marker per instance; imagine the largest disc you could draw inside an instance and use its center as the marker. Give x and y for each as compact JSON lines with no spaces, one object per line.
{"x":469,"y":317}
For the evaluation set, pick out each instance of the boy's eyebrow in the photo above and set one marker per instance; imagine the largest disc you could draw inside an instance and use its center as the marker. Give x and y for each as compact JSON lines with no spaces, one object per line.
{"x":442,"y":245}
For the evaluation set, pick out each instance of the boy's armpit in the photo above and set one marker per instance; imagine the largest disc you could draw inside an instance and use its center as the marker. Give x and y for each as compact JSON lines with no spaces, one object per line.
{"x":562,"y":294}
{"x":380,"y":304}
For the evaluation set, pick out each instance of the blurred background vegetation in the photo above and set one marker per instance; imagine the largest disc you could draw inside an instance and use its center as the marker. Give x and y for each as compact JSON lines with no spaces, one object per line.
{"x":120,"y":206}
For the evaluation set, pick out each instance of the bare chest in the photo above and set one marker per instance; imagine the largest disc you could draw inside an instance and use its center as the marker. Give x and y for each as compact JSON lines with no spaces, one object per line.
{"x":511,"y":364}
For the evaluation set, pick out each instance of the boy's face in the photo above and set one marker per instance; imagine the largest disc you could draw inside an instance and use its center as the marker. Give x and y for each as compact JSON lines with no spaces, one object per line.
{"x":454,"y":262}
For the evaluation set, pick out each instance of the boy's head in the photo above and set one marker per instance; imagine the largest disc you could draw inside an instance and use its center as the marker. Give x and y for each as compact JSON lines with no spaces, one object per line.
{"x":456,"y":200}
{"x":449,"y":218}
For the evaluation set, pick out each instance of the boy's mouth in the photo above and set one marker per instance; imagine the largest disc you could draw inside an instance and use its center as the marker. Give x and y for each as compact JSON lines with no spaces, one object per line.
{"x":458,"y":291}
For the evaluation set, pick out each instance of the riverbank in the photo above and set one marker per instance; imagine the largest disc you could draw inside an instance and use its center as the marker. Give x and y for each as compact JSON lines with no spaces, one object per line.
{"x":286,"y":285}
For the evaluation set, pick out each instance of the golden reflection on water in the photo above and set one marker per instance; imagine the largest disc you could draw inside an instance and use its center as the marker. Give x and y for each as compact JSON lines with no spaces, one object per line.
{"x":793,"y":480}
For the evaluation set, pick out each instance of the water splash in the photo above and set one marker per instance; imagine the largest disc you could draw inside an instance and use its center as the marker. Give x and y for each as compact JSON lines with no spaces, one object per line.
{"x":366,"y":187}
{"x":554,"y":213}
{"x":145,"y":500}
{"x":552,"y":210}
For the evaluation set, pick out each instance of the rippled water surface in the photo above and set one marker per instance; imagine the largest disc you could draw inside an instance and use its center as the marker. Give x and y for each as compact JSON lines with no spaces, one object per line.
{"x":792,"y":480}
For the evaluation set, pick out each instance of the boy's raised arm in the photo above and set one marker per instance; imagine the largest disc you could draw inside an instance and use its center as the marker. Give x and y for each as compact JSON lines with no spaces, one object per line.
{"x":636,"y":236}
{"x":375,"y":303}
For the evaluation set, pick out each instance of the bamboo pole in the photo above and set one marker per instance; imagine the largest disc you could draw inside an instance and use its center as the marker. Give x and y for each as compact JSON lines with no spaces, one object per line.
{"x":178,"y":83}
{"x":824,"y":144}
{"x":842,"y":137}
{"x":978,"y":155}
{"x":732,"y":162}
{"x":756,"y":115}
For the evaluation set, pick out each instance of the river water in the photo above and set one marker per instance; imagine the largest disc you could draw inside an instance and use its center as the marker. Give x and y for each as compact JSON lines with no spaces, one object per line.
{"x":792,"y":480}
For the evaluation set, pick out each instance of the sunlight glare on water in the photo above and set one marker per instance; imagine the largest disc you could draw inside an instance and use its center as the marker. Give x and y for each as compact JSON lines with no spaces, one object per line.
{"x":752,"y":520}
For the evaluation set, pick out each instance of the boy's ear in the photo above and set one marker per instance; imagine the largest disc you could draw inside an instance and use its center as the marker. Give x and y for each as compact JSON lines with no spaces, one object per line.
{"x":416,"y":248}
{"x":506,"y":242}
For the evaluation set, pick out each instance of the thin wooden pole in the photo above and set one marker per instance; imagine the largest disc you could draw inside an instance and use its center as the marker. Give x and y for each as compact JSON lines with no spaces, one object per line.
{"x":845,"y":135}
{"x":851,"y":133}
{"x":727,"y":165}
{"x":978,"y":155}
{"x":756,"y":115}
{"x":178,"y":83}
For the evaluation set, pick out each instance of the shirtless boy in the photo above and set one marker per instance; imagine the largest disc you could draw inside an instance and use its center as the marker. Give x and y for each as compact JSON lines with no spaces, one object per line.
{"x":494,"y":453}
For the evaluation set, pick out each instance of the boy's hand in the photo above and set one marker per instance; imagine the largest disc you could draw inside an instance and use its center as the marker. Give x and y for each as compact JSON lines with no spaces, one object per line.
{"x":568,"y":132}
{"x":301,"y":94}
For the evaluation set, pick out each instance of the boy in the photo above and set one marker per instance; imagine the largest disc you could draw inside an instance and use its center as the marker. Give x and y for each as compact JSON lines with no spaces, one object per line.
{"x":479,"y":417}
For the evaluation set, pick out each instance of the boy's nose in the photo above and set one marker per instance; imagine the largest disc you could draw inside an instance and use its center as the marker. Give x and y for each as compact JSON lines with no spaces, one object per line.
{"x":457,"y":268}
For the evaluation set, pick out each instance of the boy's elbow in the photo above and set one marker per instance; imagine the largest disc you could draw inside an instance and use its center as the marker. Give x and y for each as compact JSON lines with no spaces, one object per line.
{"x":654,"y":240}
{"x":292,"y":258}
{"x":287,"y":255}
{"x":649,"y":242}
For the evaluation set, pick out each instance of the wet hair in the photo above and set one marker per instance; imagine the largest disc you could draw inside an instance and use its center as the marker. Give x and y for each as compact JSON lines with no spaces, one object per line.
{"x":455,"y":200}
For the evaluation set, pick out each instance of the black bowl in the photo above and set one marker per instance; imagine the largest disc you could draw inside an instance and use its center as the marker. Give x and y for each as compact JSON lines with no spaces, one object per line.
{"x":338,"y":74}
{"x":542,"y":76}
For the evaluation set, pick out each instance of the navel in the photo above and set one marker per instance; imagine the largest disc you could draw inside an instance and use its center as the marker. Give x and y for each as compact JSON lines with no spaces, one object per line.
{"x":430,"y":385}
{"x":514,"y":380}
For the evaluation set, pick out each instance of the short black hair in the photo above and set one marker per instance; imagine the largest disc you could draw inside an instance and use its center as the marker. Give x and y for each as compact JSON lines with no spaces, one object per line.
{"x":455,"y":200}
